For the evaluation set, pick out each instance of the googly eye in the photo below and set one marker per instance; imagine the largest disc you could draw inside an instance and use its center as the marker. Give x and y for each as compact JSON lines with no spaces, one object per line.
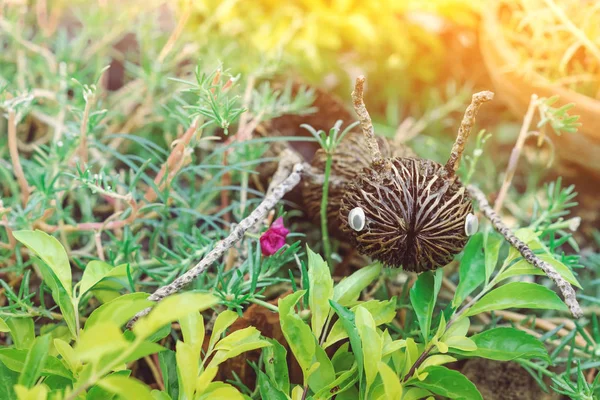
{"x":471,"y":224}
{"x":356,"y":219}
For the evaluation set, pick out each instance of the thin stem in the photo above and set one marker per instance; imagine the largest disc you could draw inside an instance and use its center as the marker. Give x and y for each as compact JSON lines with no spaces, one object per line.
{"x":324,"y":202}
{"x":365,"y":121}
{"x":417,"y":363}
{"x":464,"y":130}
{"x":516,"y":153}
{"x":263,"y":303}
{"x":565,"y":288}
{"x":14,"y":156}
{"x":83,"y":146}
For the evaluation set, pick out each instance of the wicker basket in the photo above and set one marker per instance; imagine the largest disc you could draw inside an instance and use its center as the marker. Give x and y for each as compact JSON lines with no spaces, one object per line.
{"x":515,"y":88}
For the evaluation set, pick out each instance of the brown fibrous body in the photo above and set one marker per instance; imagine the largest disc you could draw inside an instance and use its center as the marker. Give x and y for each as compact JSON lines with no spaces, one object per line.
{"x":415,"y":214}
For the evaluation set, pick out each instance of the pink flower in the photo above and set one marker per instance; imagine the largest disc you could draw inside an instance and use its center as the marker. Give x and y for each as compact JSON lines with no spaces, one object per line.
{"x":274,"y":238}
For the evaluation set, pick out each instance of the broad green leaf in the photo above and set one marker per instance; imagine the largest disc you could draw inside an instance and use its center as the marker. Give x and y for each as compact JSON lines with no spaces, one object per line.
{"x":372,"y":344}
{"x":472,"y":269}
{"x":297,"y":334}
{"x":172,"y":309}
{"x":324,"y":374}
{"x":522,"y":267}
{"x":158,"y":395}
{"x":98,"y":393}
{"x":224,"y":320}
{"x":192,"y":329}
{"x":268,"y":390}
{"x":69,"y":357}
{"x":119,"y":310}
{"x":449,"y":383}
{"x":100,"y":340}
{"x":506,"y":344}
{"x":8,"y":378}
{"x":436,"y":359}
{"x":35,"y":360}
{"x":348,"y":319}
{"x":142,"y":349}
{"x":168,"y":367}
{"x":297,"y":392}
{"x":221,"y":391}
{"x":340,"y":383}
{"x":422,"y":298}
{"x":321,"y":291}
{"x":39,"y":392}
{"x":239,"y":337}
{"x":346,"y":292}
{"x":22,"y":331}
{"x":491,"y":243}
{"x":382,"y":311}
{"x":222,"y":355}
{"x":518,"y":295}
{"x":391,"y":381}
{"x":275,"y":360}
{"x":459,"y":328}
{"x":14,"y":359}
{"x":60,"y":296}
{"x":187,"y":369}
{"x":415,"y":393}
{"x":3,"y":326}
{"x":412,"y":354}
{"x":125,"y":387}
{"x":50,"y":251}
{"x":98,"y":271}
{"x":205,"y":378}
{"x":460,"y":343}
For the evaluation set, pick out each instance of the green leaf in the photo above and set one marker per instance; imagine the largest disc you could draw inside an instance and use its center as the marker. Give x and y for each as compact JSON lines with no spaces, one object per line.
{"x":472,"y":269}
{"x":391,"y":382}
{"x":98,"y":393}
{"x":422,"y":298}
{"x":125,"y":387}
{"x":506,"y":344}
{"x":449,"y":383}
{"x":68,"y":355}
{"x":101,"y":339}
{"x":142,"y":349}
{"x":518,"y":295}
{"x":297,"y":334}
{"x":321,"y":291}
{"x":158,"y":395}
{"x":98,"y":271}
{"x":8,"y":378}
{"x":241,"y":336}
{"x":14,"y":359}
{"x":192,"y":329}
{"x":346,"y":292}
{"x":3,"y":326}
{"x":50,"y":251}
{"x":22,"y":331}
{"x":372,"y":344}
{"x":324,"y":374}
{"x":205,"y":378}
{"x":119,"y":310}
{"x":168,"y":368}
{"x":39,"y":392}
{"x":522,"y":267}
{"x":242,"y":347}
{"x":382,"y":311}
{"x":348,"y":322}
{"x":221,"y":391}
{"x":61,"y":297}
{"x":275,"y":360}
{"x":224,"y":320}
{"x":172,"y":309}
{"x":187,"y":369}
{"x":268,"y":390}
{"x":492,"y":244}
{"x":415,"y":393}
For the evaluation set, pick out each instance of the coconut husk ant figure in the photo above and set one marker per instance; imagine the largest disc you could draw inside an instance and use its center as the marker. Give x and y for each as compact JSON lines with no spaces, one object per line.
{"x":415,"y":213}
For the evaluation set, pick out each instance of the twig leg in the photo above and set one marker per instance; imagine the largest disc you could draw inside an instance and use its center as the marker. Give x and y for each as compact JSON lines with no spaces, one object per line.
{"x":565,"y":288}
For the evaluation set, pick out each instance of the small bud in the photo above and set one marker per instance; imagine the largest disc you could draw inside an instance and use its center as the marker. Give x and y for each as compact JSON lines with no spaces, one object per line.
{"x":574,"y":223}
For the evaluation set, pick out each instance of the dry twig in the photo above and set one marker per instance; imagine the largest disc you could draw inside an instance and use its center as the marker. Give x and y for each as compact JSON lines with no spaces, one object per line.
{"x":268,"y":203}
{"x":14,"y":156}
{"x":565,"y":288}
